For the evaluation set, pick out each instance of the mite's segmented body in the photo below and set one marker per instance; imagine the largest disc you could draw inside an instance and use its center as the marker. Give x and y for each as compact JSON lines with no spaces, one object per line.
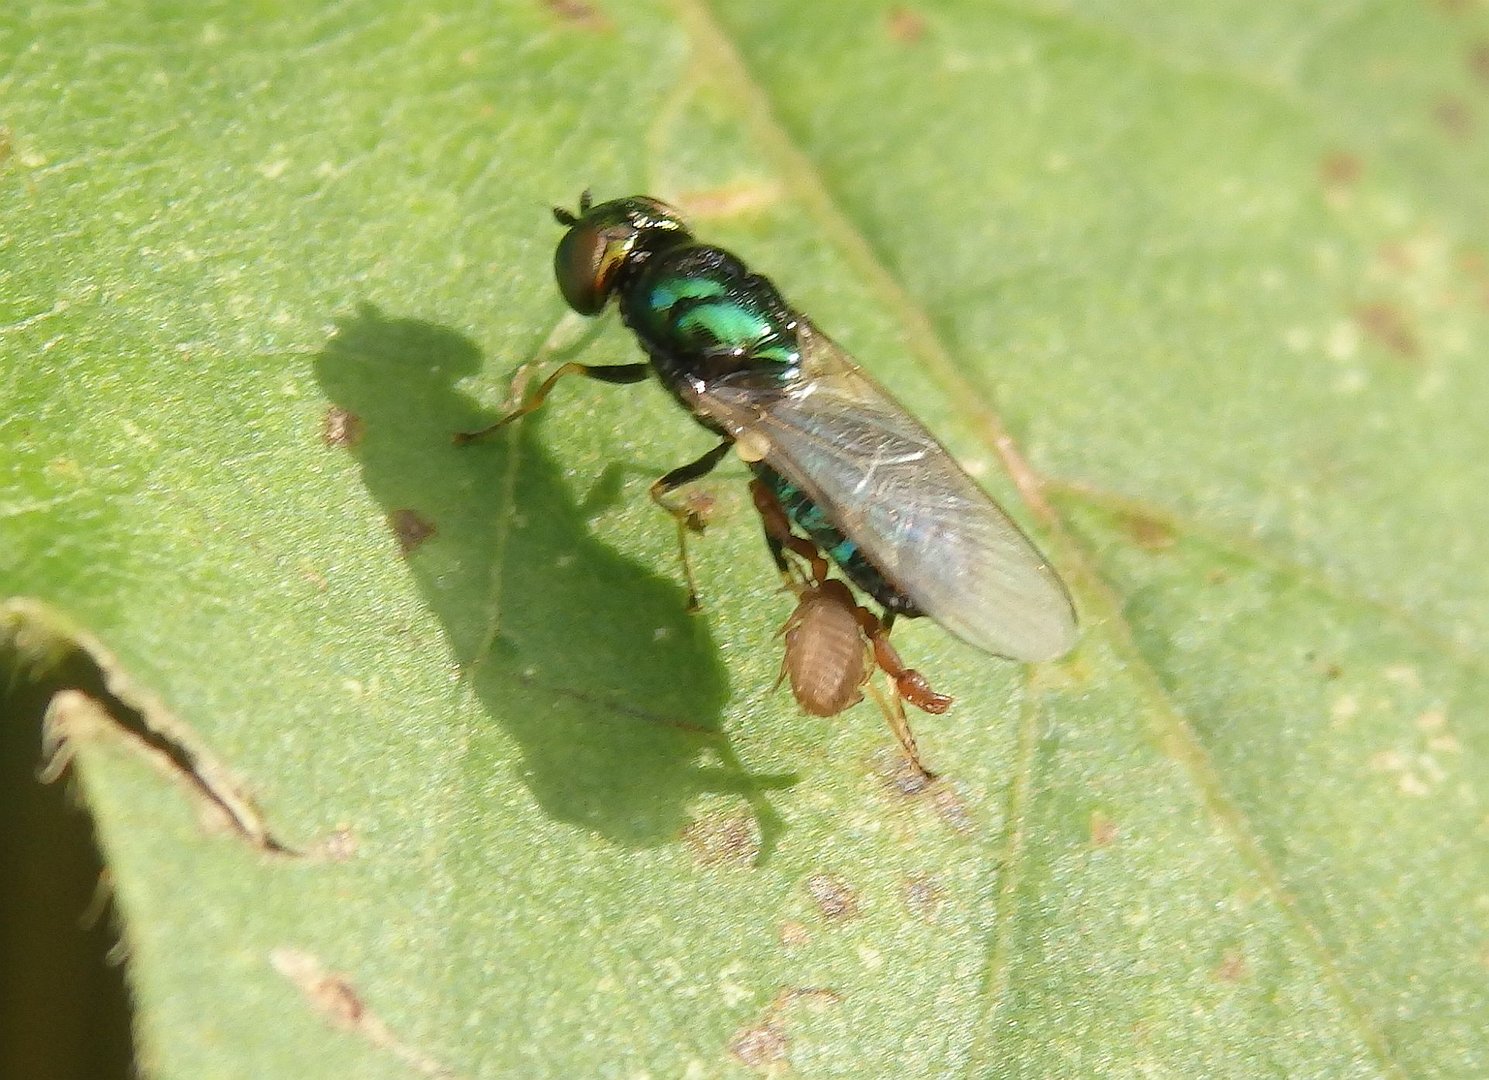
{"x":826,"y":659}
{"x":833,"y":642}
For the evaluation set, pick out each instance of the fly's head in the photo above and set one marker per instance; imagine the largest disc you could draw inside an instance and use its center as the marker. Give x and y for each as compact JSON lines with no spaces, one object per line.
{"x":603,"y":240}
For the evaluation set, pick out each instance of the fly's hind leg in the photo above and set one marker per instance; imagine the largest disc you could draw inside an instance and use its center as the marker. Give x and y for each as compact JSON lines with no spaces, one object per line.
{"x":611,"y":373}
{"x":893,"y":707}
{"x":909,"y":683}
{"x":687,"y":520}
{"x":905,"y":684}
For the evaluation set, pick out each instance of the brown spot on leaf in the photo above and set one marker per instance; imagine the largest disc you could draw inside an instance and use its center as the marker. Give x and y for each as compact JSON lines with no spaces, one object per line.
{"x":952,"y":808}
{"x":1232,"y":967}
{"x":760,"y":1046}
{"x":1339,"y":170}
{"x":1478,"y":61}
{"x":341,"y":428}
{"x":1454,"y":116}
{"x":578,"y":13}
{"x":1476,"y":268}
{"x":923,"y":896}
{"x":732,"y":840}
{"x":899,"y":773}
{"x":905,"y":26}
{"x":5,"y":145}
{"x":335,"y":997}
{"x":410,"y":529}
{"x":1327,"y":669}
{"x":834,"y":898}
{"x":1397,"y":257}
{"x":1103,"y":830}
{"x":1389,"y":325}
{"x":763,"y":1044}
{"x":1149,"y":533}
{"x":815,"y":997}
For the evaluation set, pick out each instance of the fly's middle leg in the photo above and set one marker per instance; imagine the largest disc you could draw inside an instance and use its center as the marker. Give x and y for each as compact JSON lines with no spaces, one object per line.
{"x":687,"y":519}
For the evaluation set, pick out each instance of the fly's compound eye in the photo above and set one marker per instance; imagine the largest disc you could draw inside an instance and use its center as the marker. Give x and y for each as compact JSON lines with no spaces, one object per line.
{"x":587,"y":260}
{"x":602,"y":238}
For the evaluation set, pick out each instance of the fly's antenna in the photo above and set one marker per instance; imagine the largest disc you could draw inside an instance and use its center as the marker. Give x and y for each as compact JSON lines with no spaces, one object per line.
{"x":563,"y":217}
{"x":584,"y":201}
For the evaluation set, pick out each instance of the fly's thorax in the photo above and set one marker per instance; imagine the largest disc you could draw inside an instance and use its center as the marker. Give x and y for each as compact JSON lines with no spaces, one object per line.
{"x":702,"y":316}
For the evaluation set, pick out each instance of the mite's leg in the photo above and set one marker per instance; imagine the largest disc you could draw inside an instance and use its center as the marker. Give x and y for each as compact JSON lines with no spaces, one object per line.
{"x":611,"y":373}
{"x":686,"y":519}
{"x":779,"y":537}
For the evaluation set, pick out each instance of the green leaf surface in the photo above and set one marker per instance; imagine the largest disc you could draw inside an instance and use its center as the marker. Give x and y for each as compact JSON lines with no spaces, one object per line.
{"x":1211,"y":280}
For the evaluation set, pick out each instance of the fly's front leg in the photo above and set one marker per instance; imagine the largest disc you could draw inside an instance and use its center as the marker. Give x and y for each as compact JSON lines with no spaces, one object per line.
{"x":611,"y":373}
{"x":687,"y":520}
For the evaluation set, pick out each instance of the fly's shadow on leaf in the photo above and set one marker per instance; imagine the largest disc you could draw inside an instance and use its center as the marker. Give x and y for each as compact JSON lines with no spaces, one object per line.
{"x":589,"y":660}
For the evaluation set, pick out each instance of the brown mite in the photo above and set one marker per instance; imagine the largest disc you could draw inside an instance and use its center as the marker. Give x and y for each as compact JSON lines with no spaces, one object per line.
{"x":833,"y":643}
{"x":825,"y":659}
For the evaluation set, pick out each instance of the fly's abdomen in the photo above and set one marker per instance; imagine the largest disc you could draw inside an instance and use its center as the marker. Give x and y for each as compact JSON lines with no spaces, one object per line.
{"x":810,"y":518}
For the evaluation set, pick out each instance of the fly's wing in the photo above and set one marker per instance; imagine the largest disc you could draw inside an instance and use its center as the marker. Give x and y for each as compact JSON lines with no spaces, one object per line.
{"x":889,"y":486}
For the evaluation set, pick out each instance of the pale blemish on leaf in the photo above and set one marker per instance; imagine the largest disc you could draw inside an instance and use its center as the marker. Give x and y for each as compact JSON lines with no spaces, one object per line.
{"x":794,"y":934}
{"x":1344,"y":709}
{"x":732,"y":200}
{"x":1342,"y":341}
{"x":1403,"y":675}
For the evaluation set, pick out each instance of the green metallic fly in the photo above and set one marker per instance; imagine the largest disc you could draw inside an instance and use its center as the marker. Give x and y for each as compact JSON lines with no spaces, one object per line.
{"x":845,"y":464}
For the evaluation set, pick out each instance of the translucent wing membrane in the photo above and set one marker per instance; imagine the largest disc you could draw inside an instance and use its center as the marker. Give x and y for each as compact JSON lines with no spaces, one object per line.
{"x":889,"y":486}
